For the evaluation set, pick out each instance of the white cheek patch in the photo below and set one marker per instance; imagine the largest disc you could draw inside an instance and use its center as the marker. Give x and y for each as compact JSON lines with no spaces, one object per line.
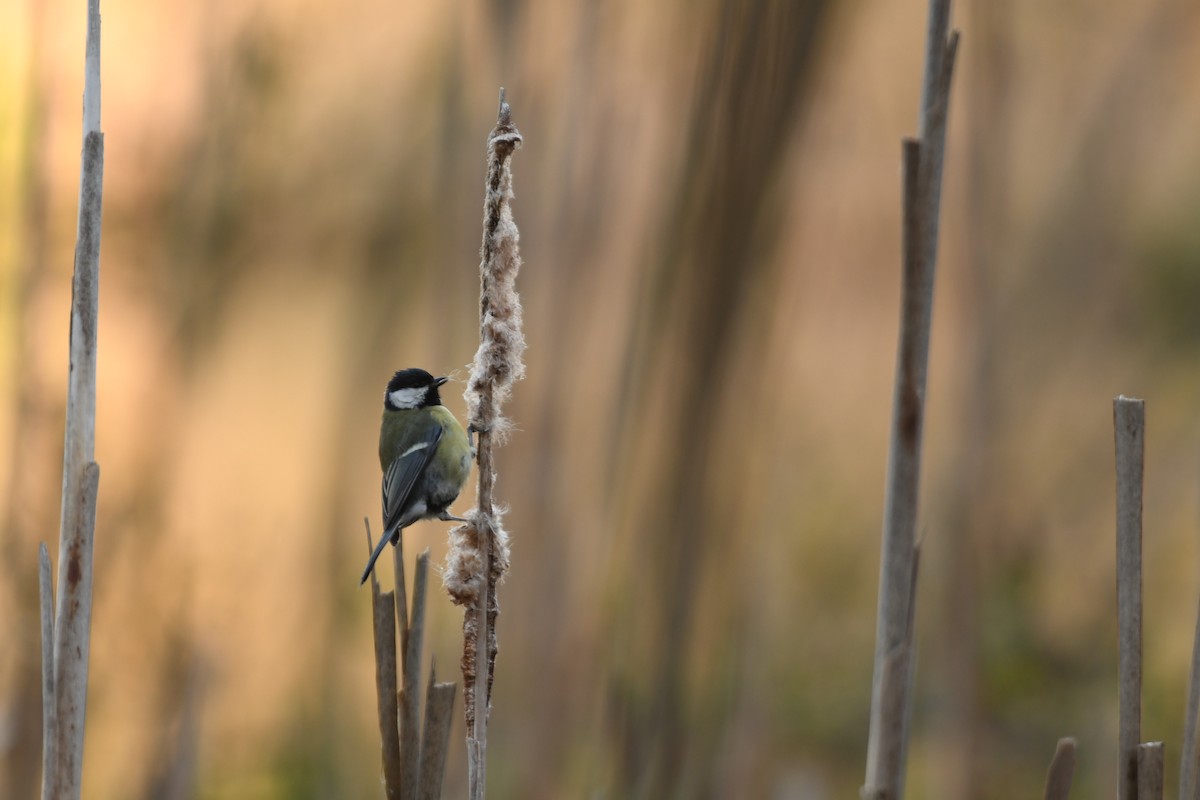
{"x":407,"y":398}
{"x":414,"y":448}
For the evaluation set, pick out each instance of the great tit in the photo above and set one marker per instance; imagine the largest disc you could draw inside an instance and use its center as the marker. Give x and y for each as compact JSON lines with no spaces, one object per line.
{"x":424,"y":453}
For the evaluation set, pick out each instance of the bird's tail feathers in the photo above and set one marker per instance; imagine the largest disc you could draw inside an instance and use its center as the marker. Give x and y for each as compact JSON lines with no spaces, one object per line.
{"x":388,"y":535}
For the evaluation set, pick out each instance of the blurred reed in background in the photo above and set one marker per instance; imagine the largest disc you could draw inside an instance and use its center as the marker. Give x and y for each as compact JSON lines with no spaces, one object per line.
{"x":709,"y":203}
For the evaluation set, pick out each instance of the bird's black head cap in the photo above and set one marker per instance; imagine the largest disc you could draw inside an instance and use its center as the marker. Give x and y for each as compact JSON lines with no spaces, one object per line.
{"x":412,"y":388}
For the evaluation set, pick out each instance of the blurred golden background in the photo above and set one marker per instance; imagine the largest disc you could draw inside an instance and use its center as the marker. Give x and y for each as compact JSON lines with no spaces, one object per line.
{"x":708,"y":198}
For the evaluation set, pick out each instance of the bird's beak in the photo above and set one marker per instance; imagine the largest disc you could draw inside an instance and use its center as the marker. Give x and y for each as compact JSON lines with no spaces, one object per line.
{"x":441,"y":380}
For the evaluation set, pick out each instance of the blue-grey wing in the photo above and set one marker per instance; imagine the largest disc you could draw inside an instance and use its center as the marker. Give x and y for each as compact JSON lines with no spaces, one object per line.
{"x":402,"y":475}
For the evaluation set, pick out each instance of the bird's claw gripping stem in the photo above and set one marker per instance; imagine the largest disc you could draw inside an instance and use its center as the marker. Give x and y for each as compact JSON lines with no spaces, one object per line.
{"x":473,"y":429}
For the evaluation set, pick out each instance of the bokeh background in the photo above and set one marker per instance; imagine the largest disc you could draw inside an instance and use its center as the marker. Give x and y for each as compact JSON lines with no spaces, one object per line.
{"x":708,"y":199}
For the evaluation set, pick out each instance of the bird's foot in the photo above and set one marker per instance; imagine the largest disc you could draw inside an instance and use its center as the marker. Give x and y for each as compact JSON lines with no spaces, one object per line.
{"x":446,"y":516}
{"x":473,"y":429}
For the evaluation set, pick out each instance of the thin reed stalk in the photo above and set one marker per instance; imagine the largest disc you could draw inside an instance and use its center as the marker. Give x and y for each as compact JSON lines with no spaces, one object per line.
{"x":1061,"y":771}
{"x":1129,"y":423}
{"x":1189,"y":763}
{"x":66,"y":692}
{"x":922,"y":175}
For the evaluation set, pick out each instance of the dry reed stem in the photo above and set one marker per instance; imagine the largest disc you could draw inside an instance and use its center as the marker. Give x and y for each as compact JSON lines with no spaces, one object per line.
{"x":1189,"y":766}
{"x":46,"y":589}
{"x":1129,"y":423}
{"x":435,"y":741}
{"x":922,"y":172}
{"x":384,"y":614}
{"x":1150,"y":771}
{"x":412,"y":764}
{"x":1061,"y":771}
{"x":62,"y":756}
{"x":479,"y":552}
{"x":401,"y":590}
{"x":410,"y":702}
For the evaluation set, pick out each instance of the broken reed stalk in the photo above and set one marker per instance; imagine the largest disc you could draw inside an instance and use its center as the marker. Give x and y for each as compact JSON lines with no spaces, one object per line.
{"x":412,"y":763}
{"x":383,"y":609}
{"x":439,"y":717}
{"x":1061,"y":771}
{"x":62,"y":740}
{"x":410,"y":696}
{"x":1189,"y":765}
{"x":1129,"y":423}
{"x":479,"y":552}
{"x":922,"y":172}
{"x":1150,"y":771}
{"x":409,"y":703}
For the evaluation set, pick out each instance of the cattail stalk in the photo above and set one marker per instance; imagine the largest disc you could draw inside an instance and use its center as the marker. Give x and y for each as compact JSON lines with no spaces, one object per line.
{"x":66,"y":693}
{"x":479,"y":552}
